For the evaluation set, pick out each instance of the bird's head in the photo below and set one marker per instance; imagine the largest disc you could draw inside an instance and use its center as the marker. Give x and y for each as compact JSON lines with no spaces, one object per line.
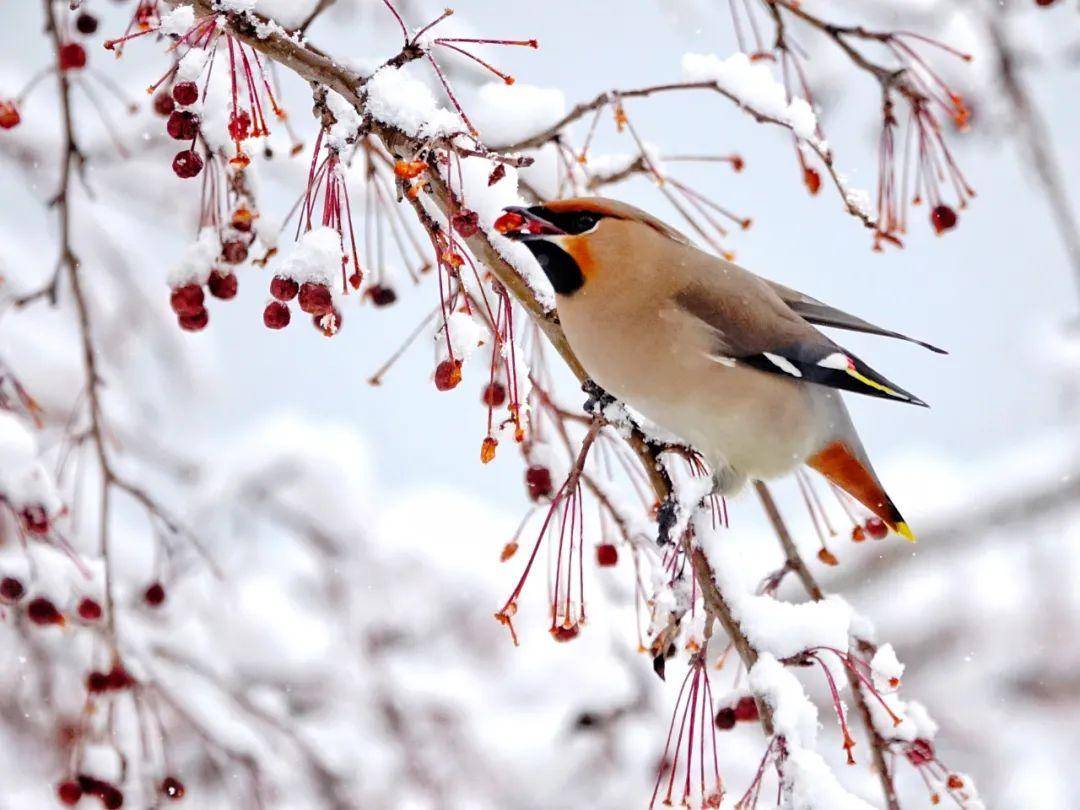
{"x":571,"y":239}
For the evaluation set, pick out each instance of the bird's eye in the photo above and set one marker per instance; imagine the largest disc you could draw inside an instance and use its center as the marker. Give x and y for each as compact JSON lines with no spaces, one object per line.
{"x":585,"y":222}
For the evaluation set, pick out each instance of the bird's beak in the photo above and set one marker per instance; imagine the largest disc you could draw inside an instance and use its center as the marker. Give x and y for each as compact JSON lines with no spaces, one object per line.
{"x":522,"y":225}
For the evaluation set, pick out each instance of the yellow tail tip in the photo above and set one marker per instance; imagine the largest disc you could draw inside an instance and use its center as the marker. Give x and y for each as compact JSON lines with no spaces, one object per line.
{"x":905,"y":531}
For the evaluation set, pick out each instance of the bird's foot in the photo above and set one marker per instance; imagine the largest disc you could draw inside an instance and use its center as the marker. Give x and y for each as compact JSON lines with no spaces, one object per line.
{"x":598,"y":398}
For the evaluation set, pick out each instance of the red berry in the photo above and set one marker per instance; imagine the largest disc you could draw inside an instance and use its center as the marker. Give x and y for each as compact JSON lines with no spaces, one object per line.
{"x":876,"y":528}
{"x":283,"y":289}
{"x":606,"y":555}
{"x":89,"y":610}
{"x":72,"y":56}
{"x":11,"y":590}
{"x":920,"y":752}
{"x":69,"y":793}
{"x":9,"y":115}
{"x":239,"y":126}
{"x":827,"y":556}
{"x":447,"y":374}
{"x":187,"y":300}
{"x":942,"y":218}
{"x":812,"y":180}
{"x":510,"y":221}
{"x":315,"y":298}
{"x":538,"y":480}
{"x":118,"y":678}
{"x":328,"y":324}
{"x":112,"y":798}
{"x":382,"y":296}
{"x":1045,"y":3}
{"x":725,"y":719}
{"x":187,"y":164}
{"x":276,"y":315}
{"x":163,"y":103}
{"x":154,"y":594}
{"x":182,"y":125}
{"x":494,"y":394}
{"x":173,"y":788}
{"x":234,"y":251}
{"x":466,"y":223}
{"x":858,"y":534}
{"x":97,"y":682}
{"x":34,"y":519}
{"x":222,"y":286}
{"x":42,"y":611}
{"x":185,"y":93}
{"x":86,"y":23}
{"x":564,"y":633}
{"x":746,"y":709}
{"x":194,"y":321}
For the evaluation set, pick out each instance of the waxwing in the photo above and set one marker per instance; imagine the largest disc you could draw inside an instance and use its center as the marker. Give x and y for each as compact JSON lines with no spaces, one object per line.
{"x":730,"y":362}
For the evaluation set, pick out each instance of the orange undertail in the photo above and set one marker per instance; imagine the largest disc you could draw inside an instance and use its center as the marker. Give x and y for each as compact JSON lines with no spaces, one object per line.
{"x":843,"y":468}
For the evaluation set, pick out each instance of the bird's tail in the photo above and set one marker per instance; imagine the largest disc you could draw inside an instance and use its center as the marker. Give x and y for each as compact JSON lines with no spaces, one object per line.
{"x":846,"y":470}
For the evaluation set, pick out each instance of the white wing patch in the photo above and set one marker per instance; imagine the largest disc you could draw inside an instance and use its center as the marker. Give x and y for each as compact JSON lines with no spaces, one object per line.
{"x":783,"y":364}
{"x":836,"y":360}
{"x":724,"y":361}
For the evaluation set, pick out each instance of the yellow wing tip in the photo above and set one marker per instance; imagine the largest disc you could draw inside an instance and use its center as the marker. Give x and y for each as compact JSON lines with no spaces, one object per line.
{"x":905,"y":531}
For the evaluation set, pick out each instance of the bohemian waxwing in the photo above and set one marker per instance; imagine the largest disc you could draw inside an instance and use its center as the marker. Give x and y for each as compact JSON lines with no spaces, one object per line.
{"x":728,"y":361}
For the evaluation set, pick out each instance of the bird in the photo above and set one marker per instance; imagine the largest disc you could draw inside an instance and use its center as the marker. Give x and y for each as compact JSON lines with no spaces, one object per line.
{"x":730,"y":362}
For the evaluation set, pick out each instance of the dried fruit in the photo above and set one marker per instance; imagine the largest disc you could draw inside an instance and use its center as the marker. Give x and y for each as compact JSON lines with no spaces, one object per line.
{"x":283,"y":289}
{"x":509,"y":222}
{"x":565,"y":632}
{"x":876,"y":528}
{"x":538,"y":481}
{"x":86,"y":23}
{"x":187,"y":164}
{"x":185,"y":93}
{"x":315,"y":298}
{"x":858,"y":534}
{"x":408,"y":169}
{"x":447,"y":374}
{"x":606,"y":555}
{"x":163,"y":103}
{"x":222,"y":285}
{"x":276,"y":315}
{"x":328,"y":324}
{"x":187,"y":300}
{"x":954,"y":782}
{"x":827,"y":557}
{"x":154,"y":595}
{"x":194,"y":321}
{"x":487,"y":449}
{"x":173,"y":788}
{"x":382,"y":296}
{"x":234,"y":251}
{"x":725,"y":719}
{"x":508,"y":551}
{"x":41,"y":611}
{"x":97,"y":682}
{"x":494,"y":394}
{"x":35,"y":519}
{"x":466,"y":223}
{"x":943,"y":218}
{"x":89,"y":610}
{"x":118,"y":678}
{"x":11,"y":590}
{"x":72,"y":56}
{"x":9,"y":115}
{"x":812,"y":179}
{"x":239,"y":126}
{"x":69,"y":793}
{"x":182,"y":125}
{"x":746,"y":709}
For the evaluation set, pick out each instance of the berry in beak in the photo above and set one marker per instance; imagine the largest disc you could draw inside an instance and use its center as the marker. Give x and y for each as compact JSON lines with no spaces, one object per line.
{"x":522,"y":224}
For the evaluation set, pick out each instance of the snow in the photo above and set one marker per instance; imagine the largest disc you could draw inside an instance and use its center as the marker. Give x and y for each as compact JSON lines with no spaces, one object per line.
{"x":197,"y":260}
{"x":178,"y":21}
{"x":24,"y":481}
{"x":755,"y":86}
{"x":809,"y":784}
{"x":395,"y":97}
{"x":346,"y":122}
{"x":191,"y":65}
{"x":466,"y":334}
{"x":886,"y":668}
{"x":315,"y":258}
{"x":508,"y":113}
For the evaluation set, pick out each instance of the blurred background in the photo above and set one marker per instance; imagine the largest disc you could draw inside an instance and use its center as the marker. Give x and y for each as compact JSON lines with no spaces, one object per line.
{"x":340,"y":651}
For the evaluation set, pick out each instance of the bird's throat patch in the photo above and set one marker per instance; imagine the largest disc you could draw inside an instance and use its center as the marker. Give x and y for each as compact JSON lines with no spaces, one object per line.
{"x":558,"y":264}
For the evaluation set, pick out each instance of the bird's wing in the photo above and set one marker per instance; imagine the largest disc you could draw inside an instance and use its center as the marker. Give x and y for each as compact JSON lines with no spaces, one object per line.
{"x":821,"y":314}
{"x":748,"y":323}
